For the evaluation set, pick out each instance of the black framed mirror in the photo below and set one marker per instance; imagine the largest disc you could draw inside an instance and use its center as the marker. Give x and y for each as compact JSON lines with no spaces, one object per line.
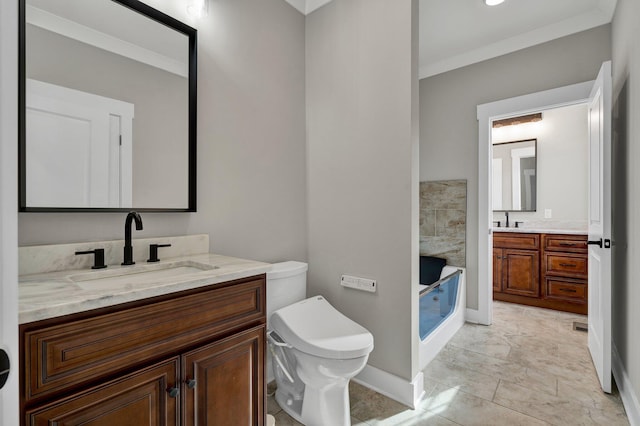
{"x":107,"y":108}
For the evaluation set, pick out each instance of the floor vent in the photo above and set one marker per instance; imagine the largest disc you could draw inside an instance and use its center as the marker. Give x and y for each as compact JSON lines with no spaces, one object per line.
{"x":580,"y":326}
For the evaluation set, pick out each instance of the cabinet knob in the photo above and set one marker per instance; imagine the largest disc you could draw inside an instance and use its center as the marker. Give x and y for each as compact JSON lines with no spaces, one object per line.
{"x":173,"y":392}
{"x":191,"y":383}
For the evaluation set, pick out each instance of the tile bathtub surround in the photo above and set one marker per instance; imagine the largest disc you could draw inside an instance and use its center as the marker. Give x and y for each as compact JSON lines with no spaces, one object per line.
{"x":528,"y":368}
{"x":61,"y":257}
{"x":443,"y":220}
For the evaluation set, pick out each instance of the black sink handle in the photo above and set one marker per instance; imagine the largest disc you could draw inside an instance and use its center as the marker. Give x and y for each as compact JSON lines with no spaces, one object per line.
{"x":153,"y":251}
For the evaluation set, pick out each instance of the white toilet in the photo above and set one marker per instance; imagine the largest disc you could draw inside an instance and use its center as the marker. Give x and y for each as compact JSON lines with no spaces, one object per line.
{"x":317,"y":351}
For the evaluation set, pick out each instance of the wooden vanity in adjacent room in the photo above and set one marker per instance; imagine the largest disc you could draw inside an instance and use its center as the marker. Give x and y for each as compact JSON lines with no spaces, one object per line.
{"x":541,"y":269}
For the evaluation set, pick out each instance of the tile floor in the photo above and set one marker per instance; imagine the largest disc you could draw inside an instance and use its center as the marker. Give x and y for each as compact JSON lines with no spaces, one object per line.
{"x":529,"y":368}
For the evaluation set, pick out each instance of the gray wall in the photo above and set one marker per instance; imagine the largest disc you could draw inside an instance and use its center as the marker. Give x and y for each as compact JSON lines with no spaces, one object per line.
{"x":626,"y":192}
{"x":251,"y":140}
{"x":448,"y":123}
{"x":362,"y":185}
{"x":562,"y":167}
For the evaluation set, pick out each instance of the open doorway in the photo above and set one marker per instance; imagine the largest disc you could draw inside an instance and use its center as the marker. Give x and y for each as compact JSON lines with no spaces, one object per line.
{"x":597,"y":243}
{"x":539,"y":197}
{"x":573,"y":95}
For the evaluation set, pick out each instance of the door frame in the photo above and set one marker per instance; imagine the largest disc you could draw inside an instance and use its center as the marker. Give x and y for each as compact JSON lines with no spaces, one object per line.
{"x":9,"y":401}
{"x":486,"y":113}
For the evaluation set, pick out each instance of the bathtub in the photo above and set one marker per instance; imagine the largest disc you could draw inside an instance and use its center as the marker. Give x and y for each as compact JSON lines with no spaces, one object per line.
{"x":438,"y":322}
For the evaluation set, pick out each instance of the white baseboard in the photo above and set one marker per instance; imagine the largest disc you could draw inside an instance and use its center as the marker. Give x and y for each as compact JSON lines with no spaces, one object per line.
{"x":472,"y":316}
{"x":394,"y":387}
{"x":627,"y":393}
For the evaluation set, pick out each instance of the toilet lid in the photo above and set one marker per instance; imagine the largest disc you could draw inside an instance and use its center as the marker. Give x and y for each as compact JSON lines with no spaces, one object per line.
{"x":315,"y":327}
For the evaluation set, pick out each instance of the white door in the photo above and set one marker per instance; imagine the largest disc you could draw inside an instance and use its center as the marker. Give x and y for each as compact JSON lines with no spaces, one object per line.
{"x":76,"y":143}
{"x":600,"y":226}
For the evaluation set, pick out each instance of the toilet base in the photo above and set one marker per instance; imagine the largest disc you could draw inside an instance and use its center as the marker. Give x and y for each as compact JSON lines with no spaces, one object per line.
{"x":312,"y":409}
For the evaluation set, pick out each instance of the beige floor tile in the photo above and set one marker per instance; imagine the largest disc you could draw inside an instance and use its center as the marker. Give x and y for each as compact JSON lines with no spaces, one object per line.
{"x":554,"y":409}
{"x":481,"y":339}
{"x":468,"y":410}
{"x":500,"y":369}
{"x":465,"y":379}
{"x":411,"y":418}
{"x":591,"y":397}
{"x":272,"y":406}
{"x":283,"y":419}
{"x":371,"y":407}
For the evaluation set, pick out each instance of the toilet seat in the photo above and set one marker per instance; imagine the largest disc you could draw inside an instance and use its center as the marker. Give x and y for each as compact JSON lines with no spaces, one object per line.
{"x":315,"y":327}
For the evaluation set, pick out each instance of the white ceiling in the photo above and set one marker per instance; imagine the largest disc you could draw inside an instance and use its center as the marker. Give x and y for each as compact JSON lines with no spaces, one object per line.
{"x":456,"y":33}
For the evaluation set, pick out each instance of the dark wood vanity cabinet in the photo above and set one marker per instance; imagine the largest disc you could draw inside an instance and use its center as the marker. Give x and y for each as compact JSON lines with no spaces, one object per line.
{"x":565,"y":271}
{"x":190,"y":358}
{"x":545,"y":270}
{"x":516,"y":264}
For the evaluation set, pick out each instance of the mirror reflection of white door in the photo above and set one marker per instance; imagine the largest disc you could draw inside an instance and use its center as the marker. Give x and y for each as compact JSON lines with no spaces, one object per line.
{"x":78,"y":148}
{"x":496,"y":183}
{"x":599,"y":316}
{"x":516,"y":186}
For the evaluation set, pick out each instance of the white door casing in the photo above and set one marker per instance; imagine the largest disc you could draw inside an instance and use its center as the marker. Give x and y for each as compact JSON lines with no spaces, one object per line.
{"x":486,"y":114}
{"x":599,"y":217}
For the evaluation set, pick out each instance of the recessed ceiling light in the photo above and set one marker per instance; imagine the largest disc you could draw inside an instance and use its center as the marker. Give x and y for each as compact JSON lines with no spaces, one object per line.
{"x":493,"y":2}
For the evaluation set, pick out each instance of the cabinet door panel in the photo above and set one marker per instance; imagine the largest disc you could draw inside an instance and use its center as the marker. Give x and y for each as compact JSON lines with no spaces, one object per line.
{"x":522,"y":276}
{"x":229,"y":381}
{"x":135,"y":400}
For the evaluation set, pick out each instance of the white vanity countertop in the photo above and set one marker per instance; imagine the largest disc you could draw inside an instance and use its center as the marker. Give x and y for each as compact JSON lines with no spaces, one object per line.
{"x":53,"y":294}
{"x":542,"y":231}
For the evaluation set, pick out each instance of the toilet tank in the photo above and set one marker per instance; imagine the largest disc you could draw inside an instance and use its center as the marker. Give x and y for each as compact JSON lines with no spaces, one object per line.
{"x":286,"y":284}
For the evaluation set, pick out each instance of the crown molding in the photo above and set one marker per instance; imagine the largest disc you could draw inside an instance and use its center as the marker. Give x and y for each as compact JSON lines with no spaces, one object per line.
{"x":307,"y":6}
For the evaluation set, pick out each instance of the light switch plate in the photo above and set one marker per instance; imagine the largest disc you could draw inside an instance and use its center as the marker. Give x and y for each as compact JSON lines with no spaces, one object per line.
{"x":358,"y":283}
{"x":547,"y":213}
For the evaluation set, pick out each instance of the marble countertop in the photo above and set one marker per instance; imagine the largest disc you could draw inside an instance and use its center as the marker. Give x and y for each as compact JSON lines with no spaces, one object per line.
{"x":53,"y":294}
{"x":542,"y":230}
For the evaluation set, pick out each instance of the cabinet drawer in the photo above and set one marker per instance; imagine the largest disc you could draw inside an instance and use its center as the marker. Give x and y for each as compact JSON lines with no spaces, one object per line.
{"x":79,"y":351}
{"x":566,"y":290}
{"x":565,"y":243}
{"x":138,"y":399}
{"x":565,"y":265}
{"x":516,"y":240}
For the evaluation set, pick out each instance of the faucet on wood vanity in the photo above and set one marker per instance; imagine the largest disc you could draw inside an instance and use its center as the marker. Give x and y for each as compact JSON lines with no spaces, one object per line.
{"x":128,"y":249}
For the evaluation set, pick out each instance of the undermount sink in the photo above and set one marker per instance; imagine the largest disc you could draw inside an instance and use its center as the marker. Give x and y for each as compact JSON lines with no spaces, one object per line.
{"x":137,"y":275}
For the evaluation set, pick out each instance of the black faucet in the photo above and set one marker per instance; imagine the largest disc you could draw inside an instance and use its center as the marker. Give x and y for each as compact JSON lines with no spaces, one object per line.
{"x":506,"y":225}
{"x":128,"y":249}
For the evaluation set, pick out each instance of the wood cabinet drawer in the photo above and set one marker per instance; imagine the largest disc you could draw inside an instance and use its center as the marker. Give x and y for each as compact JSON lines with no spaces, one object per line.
{"x":138,"y":399}
{"x":565,"y":243}
{"x":75,"y":351}
{"x":566,"y":290}
{"x":565,"y":265}
{"x":515,"y":240}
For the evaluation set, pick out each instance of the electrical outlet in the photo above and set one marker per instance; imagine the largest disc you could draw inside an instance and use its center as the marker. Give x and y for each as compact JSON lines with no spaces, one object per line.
{"x":547,"y":213}
{"x":364,"y":284}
